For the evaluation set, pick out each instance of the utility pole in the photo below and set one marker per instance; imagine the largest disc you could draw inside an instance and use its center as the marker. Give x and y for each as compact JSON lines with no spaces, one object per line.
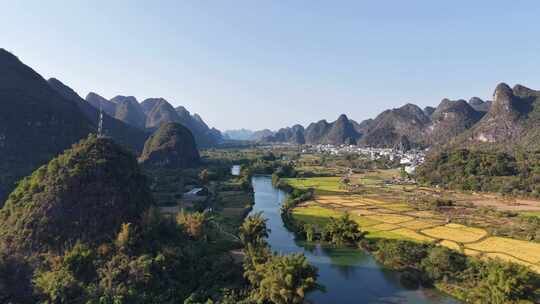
{"x":100,"y":121}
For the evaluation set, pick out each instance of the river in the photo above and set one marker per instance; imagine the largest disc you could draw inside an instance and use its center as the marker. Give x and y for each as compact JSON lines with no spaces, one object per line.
{"x":349,"y":275}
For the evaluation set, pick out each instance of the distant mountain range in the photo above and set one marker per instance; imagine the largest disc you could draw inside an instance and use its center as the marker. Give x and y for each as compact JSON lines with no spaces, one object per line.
{"x":341,"y":131}
{"x":152,"y":113}
{"x":405,"y":127}
{"x":246,"y":134}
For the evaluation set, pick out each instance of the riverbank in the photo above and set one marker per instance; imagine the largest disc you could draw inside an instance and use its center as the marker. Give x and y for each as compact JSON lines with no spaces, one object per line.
{"x":398,"y":228}
{"x":349,"y":275}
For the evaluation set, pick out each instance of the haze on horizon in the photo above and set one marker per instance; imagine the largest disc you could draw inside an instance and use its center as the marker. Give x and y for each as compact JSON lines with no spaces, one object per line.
{"x":253,"y":64}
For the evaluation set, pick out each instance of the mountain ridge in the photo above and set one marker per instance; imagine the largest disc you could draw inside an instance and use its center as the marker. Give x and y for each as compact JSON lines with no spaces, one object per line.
{"x":36,"y":123}
{"x":152,"y":112}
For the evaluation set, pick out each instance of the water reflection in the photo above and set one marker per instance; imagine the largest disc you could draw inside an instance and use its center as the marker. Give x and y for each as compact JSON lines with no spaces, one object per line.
{"x":348,"y":274}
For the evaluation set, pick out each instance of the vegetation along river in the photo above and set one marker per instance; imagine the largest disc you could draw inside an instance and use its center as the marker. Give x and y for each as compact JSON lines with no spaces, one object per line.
{"x":348,"y":274}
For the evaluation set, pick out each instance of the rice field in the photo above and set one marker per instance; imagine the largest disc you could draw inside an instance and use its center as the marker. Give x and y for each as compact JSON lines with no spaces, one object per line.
{"x":411,"y":234}
{"x":390,"y":218}
{"x":384,"y":227}
{"x":421,"y":224}
{"x":455,"y":232}
{"x":319,"y":183}
{"x":451,"y":245}
{"x":394,"y":219}
{"x":526,"y":251}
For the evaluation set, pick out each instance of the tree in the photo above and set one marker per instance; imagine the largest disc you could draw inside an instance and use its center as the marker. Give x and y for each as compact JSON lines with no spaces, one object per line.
{"x":309,"y":229}
{"x":443,"y":263}
{"x":254,"y":230}
{"x":283,"y":279}
{"x":195,"y":224}
{"x":80,"y":262}
{"x":400,"y":255}
{"x":204,"y":176}
{"x":127,"y":238}
{"x":59,"y":286}
{"x":402,"y":173}
{"x":504,"y":282}
{"x":342,"y":230}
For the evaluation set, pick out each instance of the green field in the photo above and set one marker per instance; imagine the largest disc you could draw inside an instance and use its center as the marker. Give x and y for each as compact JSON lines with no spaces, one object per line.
{"x":531,"y":213}
{"x":320,"y":184}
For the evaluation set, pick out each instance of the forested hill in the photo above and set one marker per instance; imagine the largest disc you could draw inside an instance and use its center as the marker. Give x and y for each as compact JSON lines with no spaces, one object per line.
{"x":515,"y":173}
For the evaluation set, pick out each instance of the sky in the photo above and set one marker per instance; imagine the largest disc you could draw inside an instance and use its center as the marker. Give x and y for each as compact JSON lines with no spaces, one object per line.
{"x":270,"y":64}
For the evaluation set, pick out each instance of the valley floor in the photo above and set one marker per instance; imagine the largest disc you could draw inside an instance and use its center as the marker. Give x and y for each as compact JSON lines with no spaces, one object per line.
{"x":405,"y":212}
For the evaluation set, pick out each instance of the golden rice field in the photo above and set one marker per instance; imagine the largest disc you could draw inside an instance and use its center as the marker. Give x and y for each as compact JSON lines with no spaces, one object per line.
{"x":523,"y":250}
{"x":460,"y":233}
{"x":450,"y":244}
{"x":398,"y":220}
{"x":411,"y":234}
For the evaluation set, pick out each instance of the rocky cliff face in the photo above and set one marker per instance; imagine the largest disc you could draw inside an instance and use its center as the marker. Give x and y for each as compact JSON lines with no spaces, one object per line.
{"x":479,"y":105}
{"x":315,"y":132}
{"x":293,"y":135}
{"x":129,"y":111}
{"x":204,"y":135}
{"x":389,"y":128}
{"x":84,"y":194}
{"x":239,"y":134}
{"x":429,"y":110}
{"x":511,"y":122}
{"x":158,"y":111}
{"x":451,"y":118}
{"x":99,"y":102}
{"x":341,"y":131}
{"x":259,"y":135}
{"x":171,"y":146}
{"x":501,"y":121}
{"x":36,"y":123}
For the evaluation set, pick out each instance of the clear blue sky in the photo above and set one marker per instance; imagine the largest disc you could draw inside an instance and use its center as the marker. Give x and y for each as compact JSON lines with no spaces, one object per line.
{"x":268,"y":64}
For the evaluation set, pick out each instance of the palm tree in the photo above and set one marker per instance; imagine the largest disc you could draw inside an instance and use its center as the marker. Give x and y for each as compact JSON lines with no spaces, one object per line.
{"x":254,"y":230}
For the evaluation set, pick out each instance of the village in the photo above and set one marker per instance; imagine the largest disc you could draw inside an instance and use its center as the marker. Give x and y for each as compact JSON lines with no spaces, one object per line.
{"x":408,"y":159}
